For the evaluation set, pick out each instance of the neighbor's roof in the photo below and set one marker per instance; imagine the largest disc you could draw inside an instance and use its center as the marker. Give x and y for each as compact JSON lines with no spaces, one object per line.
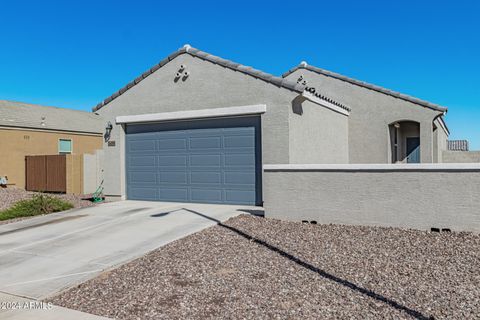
{"x":25,"y":115}
{"x":389,"y":92}
{"x":187,"y":49}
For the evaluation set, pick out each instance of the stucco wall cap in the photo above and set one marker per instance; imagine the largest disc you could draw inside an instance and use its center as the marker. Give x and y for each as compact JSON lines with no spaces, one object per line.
{"x":374,"y":167}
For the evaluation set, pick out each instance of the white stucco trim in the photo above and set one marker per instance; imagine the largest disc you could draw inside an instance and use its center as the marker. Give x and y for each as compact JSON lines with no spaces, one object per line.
{"x":374,"y":167}
{"x":307,"y":95}
{"x":193,"y":114}
{"x":441,"y":121}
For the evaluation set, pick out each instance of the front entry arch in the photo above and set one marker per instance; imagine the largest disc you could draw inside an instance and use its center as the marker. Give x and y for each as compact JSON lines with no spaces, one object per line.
{"x":405,"y":141}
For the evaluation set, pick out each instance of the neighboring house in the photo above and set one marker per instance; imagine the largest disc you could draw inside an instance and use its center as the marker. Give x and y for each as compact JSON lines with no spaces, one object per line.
{"x":27,"y":129}
{"x":384,"y":126}
{"x":198,"y":128}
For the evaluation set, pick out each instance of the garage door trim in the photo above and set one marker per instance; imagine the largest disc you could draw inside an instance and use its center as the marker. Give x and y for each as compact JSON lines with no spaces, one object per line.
{"x":200,"y":114}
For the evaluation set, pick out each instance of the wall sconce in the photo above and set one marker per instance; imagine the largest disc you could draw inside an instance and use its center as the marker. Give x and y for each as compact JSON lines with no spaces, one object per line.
{"x":108,"y":130}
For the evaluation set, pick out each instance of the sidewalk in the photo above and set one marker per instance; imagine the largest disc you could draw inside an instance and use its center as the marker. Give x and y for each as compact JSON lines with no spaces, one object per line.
{"x":19,"y":308}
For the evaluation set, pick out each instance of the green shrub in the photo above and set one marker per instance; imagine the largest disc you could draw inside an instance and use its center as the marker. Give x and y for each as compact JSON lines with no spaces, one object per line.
{"x":39,"y":204}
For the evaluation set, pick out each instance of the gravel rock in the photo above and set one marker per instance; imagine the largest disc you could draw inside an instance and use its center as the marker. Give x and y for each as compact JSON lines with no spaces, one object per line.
{"x":9,"y":196}
{"x":256,"y":268}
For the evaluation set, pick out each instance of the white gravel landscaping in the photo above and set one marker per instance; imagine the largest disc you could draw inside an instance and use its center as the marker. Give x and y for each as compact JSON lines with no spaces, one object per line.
{"x":256,"y":268}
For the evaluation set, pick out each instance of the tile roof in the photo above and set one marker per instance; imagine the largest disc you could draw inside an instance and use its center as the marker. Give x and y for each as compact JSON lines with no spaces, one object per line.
{"x":314,"y":91}
{"x":25,"y":115}
{"x":278,"y":81}
{"x":304,"y":65}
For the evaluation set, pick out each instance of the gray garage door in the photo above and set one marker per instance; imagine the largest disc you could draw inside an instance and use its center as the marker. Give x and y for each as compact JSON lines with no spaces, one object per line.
{"x":209,"y":161}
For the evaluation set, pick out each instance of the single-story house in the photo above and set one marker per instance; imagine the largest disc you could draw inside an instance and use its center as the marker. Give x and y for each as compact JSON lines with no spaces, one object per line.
{"x":32,"y":130}
{"x":199,"y":128}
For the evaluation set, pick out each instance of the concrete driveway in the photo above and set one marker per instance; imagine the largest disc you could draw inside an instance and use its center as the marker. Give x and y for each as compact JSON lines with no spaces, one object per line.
{"x":42,"y":256}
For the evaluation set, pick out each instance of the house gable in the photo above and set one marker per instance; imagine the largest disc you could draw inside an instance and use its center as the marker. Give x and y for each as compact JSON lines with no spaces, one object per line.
{"x":277,"y":81}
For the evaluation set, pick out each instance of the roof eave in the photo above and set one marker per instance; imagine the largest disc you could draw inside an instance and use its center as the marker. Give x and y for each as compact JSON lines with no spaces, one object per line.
{"x":277,"y":81}
{"x":366,"y":85}
{"x":32,"y":128}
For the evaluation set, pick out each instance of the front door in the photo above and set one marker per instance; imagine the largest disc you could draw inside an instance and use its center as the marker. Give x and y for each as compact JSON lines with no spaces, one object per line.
{"x":413,"y":150}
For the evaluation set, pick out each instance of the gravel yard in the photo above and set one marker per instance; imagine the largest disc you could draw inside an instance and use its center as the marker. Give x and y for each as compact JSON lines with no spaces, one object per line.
{"x":9,"y":196}
{"x":256,"y":268}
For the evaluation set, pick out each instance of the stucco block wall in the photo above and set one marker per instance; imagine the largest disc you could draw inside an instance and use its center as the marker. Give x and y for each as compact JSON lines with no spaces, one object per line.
{"x":317,"y":134}
{"x":399,"y":198}
{"x":16,"y":144}
{"x":93,"y":165}
{"x":371,"y":114}
{"x":208,"y":86}
{"x":461,"y":157}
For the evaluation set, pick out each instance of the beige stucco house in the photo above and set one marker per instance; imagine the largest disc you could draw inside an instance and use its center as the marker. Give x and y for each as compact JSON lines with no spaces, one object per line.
{"x":27,"y":130}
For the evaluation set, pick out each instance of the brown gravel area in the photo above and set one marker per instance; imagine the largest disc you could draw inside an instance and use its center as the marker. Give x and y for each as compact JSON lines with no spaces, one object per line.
{"x":9,"y":196}
{"x":256,"y":268}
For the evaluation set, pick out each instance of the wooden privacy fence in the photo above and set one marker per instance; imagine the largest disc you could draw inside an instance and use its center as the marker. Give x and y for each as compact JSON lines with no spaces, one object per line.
{"x":71,"y":173}
{"x":46,"y":173}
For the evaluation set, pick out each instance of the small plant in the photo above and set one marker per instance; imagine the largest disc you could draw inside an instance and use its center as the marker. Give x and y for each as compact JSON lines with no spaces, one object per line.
{"x":39,"y":204}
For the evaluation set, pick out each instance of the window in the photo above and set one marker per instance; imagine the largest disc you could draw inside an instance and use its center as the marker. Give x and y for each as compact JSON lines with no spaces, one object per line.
{"x":64,"y":146}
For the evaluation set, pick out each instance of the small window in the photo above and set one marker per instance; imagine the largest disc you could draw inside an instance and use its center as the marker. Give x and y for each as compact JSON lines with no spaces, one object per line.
{"x":64,"y":146}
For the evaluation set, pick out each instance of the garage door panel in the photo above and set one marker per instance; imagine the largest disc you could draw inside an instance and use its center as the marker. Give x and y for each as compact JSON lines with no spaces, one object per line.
{"x":173,"y":194}
{"x":147,"y":193}
{"x":172,"y":144}
{"x":142,"y":161}
{"x":174,"y":160}
{"x":142,"y":145}
{"x":142,"y":177}
{"x":232,"y":177}
{"x":206,"y":177}
{"x":239,"y":159}
{"x":239,"y":131}
{"x":203,"y":143}
{"x":238,"y":196}
{"x":191,"y":162}
{"x":239,"y":141}
{"x":176,"y":177}
{"x":207,"y":195}
{"x":206,"y":160}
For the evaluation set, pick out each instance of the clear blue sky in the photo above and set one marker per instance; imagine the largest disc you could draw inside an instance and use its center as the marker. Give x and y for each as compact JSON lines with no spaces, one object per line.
{"x":74,"y":54}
